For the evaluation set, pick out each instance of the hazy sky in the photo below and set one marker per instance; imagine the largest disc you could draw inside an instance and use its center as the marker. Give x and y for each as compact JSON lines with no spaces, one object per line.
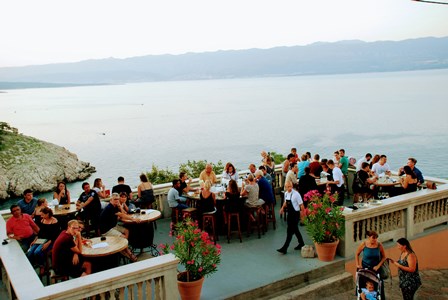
{"x":48,"y":31}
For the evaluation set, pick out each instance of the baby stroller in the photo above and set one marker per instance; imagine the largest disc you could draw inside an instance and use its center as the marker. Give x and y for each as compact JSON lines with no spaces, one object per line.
{"x":364,"y":275}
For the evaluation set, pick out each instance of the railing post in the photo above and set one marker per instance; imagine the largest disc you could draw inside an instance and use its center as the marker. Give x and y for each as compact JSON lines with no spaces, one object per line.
{"x":410,"y":228}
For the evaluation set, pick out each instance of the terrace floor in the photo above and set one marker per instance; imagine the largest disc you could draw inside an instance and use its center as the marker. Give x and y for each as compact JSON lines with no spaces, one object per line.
{"x":255,"y":263}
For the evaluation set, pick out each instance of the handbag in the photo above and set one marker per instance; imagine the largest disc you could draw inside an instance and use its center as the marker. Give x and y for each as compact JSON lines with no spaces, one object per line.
{"x":307,"y":251}
{"x":384,"y":270}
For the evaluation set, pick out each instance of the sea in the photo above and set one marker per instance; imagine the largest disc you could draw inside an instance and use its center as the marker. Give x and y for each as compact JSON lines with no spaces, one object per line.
{"x":123,"y":130}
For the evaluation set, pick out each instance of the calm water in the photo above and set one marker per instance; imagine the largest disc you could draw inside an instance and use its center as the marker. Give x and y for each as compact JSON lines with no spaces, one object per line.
{"x":124,"y":129}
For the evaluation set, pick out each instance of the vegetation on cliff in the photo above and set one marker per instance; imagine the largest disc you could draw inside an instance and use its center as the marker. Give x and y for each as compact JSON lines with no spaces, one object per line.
{"x":26,"y":162}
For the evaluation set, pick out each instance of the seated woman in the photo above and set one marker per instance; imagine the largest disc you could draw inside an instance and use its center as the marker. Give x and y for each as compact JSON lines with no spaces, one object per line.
{"x":145,"y":193}
{"x":48,"y":233}
{"x":408,"y":183}
{"x":41,"y":203}
{"x":207,"y":201}
{"x":229,"y":172}
{"x":61,"y":193}
{"x":99,"y":188}
{"x":251,"y":190}
{"x":233,"y":202}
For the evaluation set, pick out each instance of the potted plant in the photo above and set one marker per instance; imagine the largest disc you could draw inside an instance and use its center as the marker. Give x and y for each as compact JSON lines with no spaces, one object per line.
{"x":197,"y":254}
{"x":324,"y":222}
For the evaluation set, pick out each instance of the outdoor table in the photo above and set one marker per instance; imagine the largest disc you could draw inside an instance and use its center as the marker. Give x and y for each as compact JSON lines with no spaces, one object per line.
{"x":64,"y":209}
{"x":104,"y":254}
{"x":141,"y":233}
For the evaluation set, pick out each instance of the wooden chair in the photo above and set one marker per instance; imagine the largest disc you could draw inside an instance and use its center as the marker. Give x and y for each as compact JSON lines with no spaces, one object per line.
{"x":270,"y":215}
{"x":209,"y":217}
{"x":55,"y":278}
{"x":258,"y":219}
{"x":229,"y":227}
{"x":189,"y":212}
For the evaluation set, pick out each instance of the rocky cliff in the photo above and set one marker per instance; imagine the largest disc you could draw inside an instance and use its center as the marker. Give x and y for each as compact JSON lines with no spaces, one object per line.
{"x":26,"y":162}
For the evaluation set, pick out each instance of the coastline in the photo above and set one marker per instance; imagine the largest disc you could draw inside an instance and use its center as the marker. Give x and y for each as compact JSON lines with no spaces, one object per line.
{"x":27,"y":162}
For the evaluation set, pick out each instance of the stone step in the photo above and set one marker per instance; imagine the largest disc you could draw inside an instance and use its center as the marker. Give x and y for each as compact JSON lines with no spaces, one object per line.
{"x":296,"y":282}
{"x":325,"y":288}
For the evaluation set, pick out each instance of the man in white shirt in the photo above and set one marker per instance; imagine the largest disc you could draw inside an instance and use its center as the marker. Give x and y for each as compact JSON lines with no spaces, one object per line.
{"x":337,"y":185}
{"x":294,"y":203}
{"x":366,"y":159}
{"x":381,"y":167}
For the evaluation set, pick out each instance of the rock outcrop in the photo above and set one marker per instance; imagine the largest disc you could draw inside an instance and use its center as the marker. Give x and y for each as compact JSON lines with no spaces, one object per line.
{"x":26,"y":162}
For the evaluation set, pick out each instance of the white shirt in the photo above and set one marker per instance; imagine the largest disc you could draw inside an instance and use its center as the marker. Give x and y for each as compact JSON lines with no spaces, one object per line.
{"x":338,"y":176}
{"x":380,"y":169}
{"x":358,"y":166}
{"x":295,"y":198}
{"x":227,"y":176}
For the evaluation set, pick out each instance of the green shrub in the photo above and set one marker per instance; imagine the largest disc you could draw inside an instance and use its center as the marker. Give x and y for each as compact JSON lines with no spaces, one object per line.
{"x":277,"y":157}
{"x":157,"y":175}
{"x":194,"y":168}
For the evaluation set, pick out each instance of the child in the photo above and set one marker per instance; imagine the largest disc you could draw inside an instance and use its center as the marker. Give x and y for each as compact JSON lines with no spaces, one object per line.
{"x":296,"y":156}
{"x":369,"y":293}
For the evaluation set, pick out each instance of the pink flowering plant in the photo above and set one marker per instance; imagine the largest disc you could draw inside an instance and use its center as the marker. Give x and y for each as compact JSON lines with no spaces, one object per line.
{"x":324,"y":220}
{"x":197,"y":253}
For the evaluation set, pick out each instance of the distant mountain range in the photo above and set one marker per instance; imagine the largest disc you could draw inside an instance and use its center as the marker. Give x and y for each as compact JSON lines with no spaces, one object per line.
{"x":319,"y":58}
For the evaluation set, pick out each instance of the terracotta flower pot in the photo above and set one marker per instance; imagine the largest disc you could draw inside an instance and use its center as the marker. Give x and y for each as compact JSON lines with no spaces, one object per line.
{"x":190,"y":290}
{"x":326,"y":251}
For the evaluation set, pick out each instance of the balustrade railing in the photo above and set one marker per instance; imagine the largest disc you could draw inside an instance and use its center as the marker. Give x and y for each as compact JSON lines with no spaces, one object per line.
{"x":406,"y":215}
{"x":401,"y":216}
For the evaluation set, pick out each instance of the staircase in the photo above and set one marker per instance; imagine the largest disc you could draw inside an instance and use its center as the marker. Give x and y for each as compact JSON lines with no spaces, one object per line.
{"x":315,"y":284}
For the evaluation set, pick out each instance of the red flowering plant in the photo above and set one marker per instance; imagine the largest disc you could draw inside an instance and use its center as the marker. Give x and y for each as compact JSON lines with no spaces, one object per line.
{"x":324,"y":220}
{"x":198,"y":255}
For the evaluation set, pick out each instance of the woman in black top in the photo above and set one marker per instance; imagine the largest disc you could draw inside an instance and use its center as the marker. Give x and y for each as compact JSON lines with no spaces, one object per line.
{"x":233,"y":202}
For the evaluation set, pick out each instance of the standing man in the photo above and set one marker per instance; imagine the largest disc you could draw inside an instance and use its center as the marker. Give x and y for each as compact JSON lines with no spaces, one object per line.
{"x":343,"y":165}
{"x":67,"y":250}
{"x":294,"y":203}
{"x":337,"y":184}
{"x":366,"y":159}
{"x":28,"y":203}
{"x":291,"y":176}
{"x":122,"y":187}
{"x":21,"y":227}
{"x":90,"y":203}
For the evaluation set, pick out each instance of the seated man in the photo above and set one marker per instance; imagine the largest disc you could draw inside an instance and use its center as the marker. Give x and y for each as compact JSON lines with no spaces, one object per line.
{"x":90,"y":202}
{"x":21,"y":227}
{"x":264,"y":188}
{"x":381,"y":167}
{"x":173,"y":198}
{"x":208,"y":174}
{"x":411,"y":163}
{"x":122,"y":187}
{"x":252,"y":169}
{"x":184,"y":185}
{"x":362,"y":182}
{"x":266,"y":175}
{"x":28,"y":203}
{"x":109,"y":219}
{"x":67,"y":249}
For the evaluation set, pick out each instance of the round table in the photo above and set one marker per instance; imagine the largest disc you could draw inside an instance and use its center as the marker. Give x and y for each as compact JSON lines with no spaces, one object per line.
{"x":115,"y":244}
{"x":141,"y":226}
{"x":65,"y":209}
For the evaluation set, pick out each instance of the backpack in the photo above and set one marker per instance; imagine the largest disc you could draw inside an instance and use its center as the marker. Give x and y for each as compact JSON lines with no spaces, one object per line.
{"x":358,"y":185}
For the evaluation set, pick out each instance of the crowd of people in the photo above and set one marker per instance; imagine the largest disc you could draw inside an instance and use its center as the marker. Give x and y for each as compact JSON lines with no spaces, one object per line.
{"x":38,"y":232}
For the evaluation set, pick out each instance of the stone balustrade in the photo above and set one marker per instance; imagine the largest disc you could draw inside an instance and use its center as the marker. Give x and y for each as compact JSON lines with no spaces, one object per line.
{"x":406,"y":216}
